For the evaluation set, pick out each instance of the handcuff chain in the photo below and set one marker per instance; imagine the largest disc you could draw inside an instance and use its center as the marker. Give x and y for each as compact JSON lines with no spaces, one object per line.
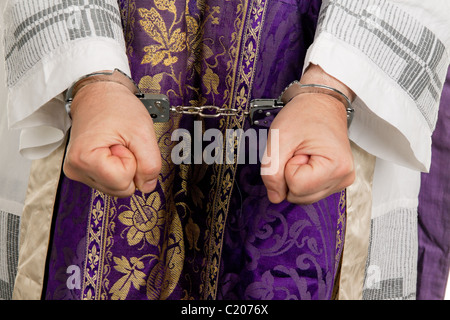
{"x":159,"y":105}
{"x":214,"y":111}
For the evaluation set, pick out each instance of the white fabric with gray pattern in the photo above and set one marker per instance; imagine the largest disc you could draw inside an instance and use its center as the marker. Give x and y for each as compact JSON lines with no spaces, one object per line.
{"x":34,"y":28}
{"x":397,"y":43}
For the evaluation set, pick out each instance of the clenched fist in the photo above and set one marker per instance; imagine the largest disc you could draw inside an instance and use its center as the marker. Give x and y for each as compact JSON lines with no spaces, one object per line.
{"x":112,"y":145}
{"x":314,"y":156}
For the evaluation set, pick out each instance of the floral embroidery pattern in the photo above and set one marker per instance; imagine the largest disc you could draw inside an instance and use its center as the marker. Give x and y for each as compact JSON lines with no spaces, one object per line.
{"x":168,"y":42}
{"x":159,"y":270}
{"x":133,"y":276}
{"x":101,"y":213}
{"x":144,"y":219}
{"x":187,"y":62}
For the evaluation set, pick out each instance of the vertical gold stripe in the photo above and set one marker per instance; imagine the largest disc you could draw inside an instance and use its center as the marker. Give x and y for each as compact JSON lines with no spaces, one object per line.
{"x":96,"y":238}
{"x":221,"y":205}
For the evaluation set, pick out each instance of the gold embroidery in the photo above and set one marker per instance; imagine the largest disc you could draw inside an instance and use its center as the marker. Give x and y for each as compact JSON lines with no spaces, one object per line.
{"x":132,"y":276}
{"x":97,"y":239}
{"x":241,"y":80}
{"x":144,"y":218}
{"x":340,"y":235}
{"x":144,"y":221}
{"x":127,"y":16}
{"x":149,"y":84}
{"x":211,"y":81}
{"x":144,"y":225}
{"x":166,"y":5}
{"x":154,"y":26}
{"x":192,"y":234}
{"x":173,"y":250}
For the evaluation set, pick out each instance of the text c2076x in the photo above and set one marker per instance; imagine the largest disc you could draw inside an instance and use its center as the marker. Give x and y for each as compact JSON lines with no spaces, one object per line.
{"x":230,"y":309}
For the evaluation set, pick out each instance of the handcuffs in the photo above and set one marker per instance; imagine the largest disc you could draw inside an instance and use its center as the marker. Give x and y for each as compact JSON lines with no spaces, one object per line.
{"x":159,"y":106}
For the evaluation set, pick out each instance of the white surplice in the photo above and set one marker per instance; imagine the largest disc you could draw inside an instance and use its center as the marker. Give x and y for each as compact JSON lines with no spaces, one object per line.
{"x":375,"y":47}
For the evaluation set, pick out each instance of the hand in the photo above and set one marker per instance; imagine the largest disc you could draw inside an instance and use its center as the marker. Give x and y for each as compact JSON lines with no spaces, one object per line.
{"x":314,"y":154}
{"x":112,"y":147}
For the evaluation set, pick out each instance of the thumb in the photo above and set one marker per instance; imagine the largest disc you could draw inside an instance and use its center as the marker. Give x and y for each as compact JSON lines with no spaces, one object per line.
{"x":122,"y":158}
{"x":299,"y":159}
{"x":308,"y":178}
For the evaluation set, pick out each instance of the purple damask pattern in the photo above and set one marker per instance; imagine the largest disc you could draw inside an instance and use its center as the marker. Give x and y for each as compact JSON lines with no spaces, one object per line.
{"x":280,"y":251}
{"x":208,"y":231}
{"x":434,"y":221}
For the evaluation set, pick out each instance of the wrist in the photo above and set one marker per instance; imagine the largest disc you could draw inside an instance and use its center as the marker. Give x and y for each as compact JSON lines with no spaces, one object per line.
{"x":296,"y":89}
{"x":94,"y":98}
{"x":314,"y":74}
{"x":103,"y":77}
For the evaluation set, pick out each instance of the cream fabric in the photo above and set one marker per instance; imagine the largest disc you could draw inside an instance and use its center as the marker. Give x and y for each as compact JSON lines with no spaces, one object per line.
{"x":38,"y":211}
{"x":356,"y":244}
{"x":399,"y":137}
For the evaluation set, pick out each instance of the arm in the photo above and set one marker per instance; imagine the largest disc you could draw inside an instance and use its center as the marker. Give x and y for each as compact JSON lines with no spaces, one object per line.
{"x":112,"y":146}
{"x":54,"y":43}
{"x":394,"y":56}
{"x":393,"y":65}
{"x":314,"y":154}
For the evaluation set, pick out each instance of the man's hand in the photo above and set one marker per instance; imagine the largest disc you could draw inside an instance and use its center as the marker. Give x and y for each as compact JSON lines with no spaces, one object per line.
{"x":112,"y":146}
{"x":314,"y":154}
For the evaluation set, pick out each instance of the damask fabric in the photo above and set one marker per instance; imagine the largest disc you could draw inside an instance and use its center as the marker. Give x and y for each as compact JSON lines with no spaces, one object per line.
{"x":434,"y":204}
{"x":208,"y":231}
{"x":233,"y":52}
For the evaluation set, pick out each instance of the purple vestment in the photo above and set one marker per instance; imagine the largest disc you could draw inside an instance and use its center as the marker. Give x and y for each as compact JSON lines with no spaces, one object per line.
{"x":208,"y":231}
{"x":434,"y":217}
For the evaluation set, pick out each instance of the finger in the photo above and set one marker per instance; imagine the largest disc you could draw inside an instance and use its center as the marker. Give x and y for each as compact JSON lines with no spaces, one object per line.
{"x":272,"y":168}
{"x":307,"y":199}
{"x":148,"y":161}
{"x":110,"y":170}
{"x":299,"y":159}
{"x":306,"y":178}
{"x":315,"y":180}
{"x":123,"y":193}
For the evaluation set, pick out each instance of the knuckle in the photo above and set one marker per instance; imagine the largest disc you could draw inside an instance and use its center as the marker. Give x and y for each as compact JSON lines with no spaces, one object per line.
{"x":68,"y":171}
{"x":271,"y":180}
{"x":299,"y":200}
{"x":124,"y":194}
{"x":349,"y":180}
{"x":300,"y":187}
{"x":71,"y":160}
{"x":123,"y":186}
{"x":151,"y":168}
{"x":344,"y":167}
{"x":111,"y":180}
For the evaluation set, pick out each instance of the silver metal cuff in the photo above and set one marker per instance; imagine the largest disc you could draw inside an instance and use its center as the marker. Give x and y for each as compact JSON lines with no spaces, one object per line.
{"x":296,"y":88}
